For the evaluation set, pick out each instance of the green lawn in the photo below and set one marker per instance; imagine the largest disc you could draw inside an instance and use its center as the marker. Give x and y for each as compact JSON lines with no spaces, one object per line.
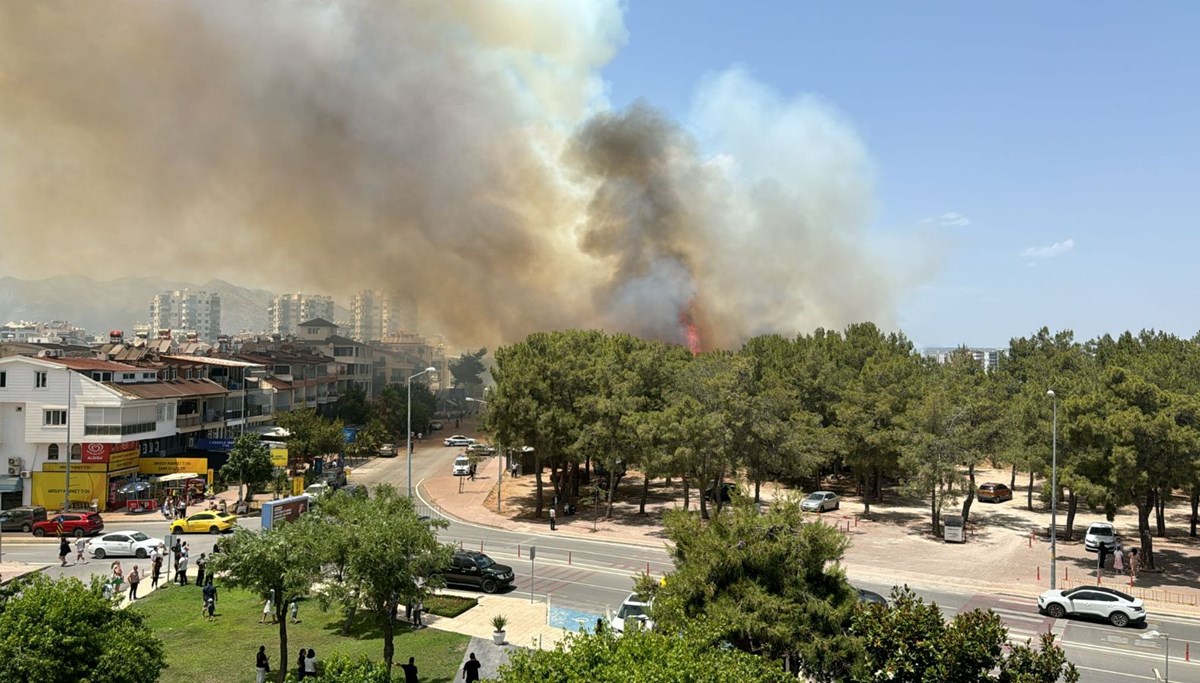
{"x":223,"y":651}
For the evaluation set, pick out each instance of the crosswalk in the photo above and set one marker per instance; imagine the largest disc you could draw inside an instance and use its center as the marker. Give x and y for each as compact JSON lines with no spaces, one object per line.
{"x":1020,"y":616}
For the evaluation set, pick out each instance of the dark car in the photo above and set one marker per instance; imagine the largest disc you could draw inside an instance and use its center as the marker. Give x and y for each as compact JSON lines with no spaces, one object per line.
{"x":469,"y":568}
{"x":727,"y":489}
{"x":22,"y":519}
{"x":70,"y":524}
{"x":993,"y":492}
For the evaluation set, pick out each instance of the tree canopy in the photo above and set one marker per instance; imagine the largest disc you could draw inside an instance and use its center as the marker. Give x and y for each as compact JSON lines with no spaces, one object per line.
{"x":249,"y":463}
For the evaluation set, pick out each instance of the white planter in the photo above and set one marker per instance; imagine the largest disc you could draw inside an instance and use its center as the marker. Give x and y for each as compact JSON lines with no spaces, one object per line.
{"x":498,"y":636}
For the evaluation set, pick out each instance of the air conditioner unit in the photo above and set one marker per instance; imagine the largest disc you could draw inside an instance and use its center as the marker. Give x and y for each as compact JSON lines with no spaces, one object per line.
{"x":14,"y":462}
{"x":14,"y":471}
{"x":24,"y":474}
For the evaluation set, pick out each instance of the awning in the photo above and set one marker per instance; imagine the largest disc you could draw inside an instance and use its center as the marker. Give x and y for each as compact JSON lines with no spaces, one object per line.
{"x":10,"y":484}
{"x":178,"y":476}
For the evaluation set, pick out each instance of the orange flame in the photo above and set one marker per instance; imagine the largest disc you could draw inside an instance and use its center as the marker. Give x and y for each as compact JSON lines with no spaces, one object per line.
{"x":691,"y":333}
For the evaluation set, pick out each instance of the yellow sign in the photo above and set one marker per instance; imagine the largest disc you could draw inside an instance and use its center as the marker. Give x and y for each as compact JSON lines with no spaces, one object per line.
{"x":48,"y":488}
{"x":279,"y":457}
{"x":123,"y":460}
{"x":297,"y":485}
{"x":75,"y":467}
{"x":172,"y":465}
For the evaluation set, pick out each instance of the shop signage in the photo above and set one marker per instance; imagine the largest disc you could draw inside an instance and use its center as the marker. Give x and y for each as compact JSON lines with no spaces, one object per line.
{"x":75,"y":467}
{"x":123,"y":461}
{"x":279,"y":457}
{"x":218,"y":445}
{"x":101,"y":452}
{"x":172,"y":465}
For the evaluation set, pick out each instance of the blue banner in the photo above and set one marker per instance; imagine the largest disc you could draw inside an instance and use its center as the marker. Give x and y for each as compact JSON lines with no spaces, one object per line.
{"x":218,"y":445}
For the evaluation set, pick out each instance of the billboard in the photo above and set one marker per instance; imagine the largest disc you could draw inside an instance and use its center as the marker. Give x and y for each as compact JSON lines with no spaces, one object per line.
{"x":101,"y":452}
{"x":47,"y":488}
{"x":284,"y":510}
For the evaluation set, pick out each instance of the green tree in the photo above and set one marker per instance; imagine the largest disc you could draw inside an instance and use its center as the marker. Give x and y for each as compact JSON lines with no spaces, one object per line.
{"x":353,"y":407}
{"x":249,"y":463}
{"x":61,"y":631}
{"x":310,"y":435}
{"x":368,"y":440}
{"x":767,"y":583}
{"x":909,"y":641}
{"x":467,"y":369}
{"x":284,"y":561}
{"x":640,"y":657}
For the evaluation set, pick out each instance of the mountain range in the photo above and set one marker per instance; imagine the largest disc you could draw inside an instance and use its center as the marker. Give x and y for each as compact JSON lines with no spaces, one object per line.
{"x":103,"y":305}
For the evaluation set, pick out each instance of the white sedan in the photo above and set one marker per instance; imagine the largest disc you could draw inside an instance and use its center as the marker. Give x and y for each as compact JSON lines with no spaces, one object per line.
{"x":820,"y":501}
{"x":122,"y":544}
{"x":458,"y":440}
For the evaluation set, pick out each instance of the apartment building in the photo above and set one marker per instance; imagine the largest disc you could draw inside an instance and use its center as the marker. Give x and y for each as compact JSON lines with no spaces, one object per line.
{"x":379,"y":314}
{"x":187,"y":311}
{"x":287,"y":311}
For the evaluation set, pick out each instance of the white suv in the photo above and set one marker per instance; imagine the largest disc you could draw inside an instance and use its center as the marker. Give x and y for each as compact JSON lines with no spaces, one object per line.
{"x":632,"y":610}
{"x":462,"y":466}
{"x":1118,"y":608}
{"x":1099,"y":533}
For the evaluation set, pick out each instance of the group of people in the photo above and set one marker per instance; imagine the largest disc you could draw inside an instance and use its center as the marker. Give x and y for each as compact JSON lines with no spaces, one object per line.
{"x":174,"y":506}
{"x":306,"y":664}
{"x":1123,"y":562}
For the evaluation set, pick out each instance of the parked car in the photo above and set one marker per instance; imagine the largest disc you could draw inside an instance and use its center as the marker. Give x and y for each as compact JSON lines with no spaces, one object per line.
{"x":204,"y":523}
{"x":820,"y":501}
{"x":462,"y":466}
{"x":632,"y":610}
{"x":387,"y":450}
{"x":867,"y":597}
{"x":1099,"y":533}
{"x":1120,"y":609}
{"x":481,"y":449}
{"x":71,"y":524}
{"x":727,"y":489}
{"x":993,"y":492}
{"x":458,"y":440}
{"x":435,"y":425}
{"x":122,"y":544}
{"x":22,"y":518}
{"x":476,"y":570}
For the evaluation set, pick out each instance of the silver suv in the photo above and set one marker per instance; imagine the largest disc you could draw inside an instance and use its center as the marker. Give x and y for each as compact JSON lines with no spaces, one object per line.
{"x":1098,"y":534}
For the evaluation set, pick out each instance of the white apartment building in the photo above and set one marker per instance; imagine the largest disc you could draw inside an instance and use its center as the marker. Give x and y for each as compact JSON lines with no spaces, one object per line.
{"x":187,"y":311}
{"x":379,"y":314}
{"x":287,"y":311}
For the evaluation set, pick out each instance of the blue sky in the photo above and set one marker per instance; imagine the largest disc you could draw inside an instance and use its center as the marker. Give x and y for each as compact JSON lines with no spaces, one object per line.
{"x":1063,"y":137}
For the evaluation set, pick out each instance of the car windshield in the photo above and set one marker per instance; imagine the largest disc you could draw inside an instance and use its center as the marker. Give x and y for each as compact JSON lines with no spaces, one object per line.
{"x":1100,"y":531}
{"x":461,"y":461}
{"x":816,"y":496}
{"x":139,"y":536}
{"x":631,"y":611}
{"x":484,"y":562}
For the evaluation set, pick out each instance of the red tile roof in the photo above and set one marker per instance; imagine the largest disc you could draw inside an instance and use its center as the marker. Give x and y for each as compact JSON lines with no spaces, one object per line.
{"x":93,"y":364}
{"x":180,"y":388}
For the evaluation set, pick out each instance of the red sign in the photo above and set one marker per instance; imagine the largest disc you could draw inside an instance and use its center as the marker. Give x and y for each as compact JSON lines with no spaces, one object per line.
{"x":100,"y":452}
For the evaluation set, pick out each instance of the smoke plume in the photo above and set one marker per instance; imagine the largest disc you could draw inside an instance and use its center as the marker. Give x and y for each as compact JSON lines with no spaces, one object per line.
{"x":458,"y":150}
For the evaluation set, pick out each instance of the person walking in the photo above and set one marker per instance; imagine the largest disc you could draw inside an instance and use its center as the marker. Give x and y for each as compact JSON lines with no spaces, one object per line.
{"x":310,"y":663}
{"x":294,"y":609}
{"x":200,"y":565}
{"x":300,"y":668}
{"x":410,"y":671}
{"x":1119,"y":560}
{"x":471,"y":669}
{"x":156,"y":560}
{"x":80,"y":546}
{"x":552,"y":518}
{"x":268,"y":608}
{"x":64,"y":549}
{"x":181,"y":571}
{"x":262,"y":664}
{"x":209,"y":595}
{"x":1133,"y":563}
{"x":135,"y":577}
{"x":418,"y":610}
{"x":1102,"y":558}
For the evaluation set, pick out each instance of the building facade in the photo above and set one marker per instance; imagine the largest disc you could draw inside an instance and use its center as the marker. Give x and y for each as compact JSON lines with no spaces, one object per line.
{"x":287,"y":311}
{"x":187,"y":311}
{"x":379,"y":314}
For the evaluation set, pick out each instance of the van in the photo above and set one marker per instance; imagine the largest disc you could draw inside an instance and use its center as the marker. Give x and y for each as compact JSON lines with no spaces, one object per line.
{"x":22,"y":518}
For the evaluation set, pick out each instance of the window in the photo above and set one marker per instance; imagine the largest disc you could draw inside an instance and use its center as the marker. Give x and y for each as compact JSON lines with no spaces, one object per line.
{"x":160,"y":414}
{"x":39,"y":379}
{"x":54,"y":418}
{"x":76,"y":452}
{"x":3,"y":379}
{"x":52,"y":452}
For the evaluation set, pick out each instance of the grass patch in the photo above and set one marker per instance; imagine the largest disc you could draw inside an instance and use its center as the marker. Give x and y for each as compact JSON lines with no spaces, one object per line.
{"x":223,"y":651}
{"x":449,"y":605}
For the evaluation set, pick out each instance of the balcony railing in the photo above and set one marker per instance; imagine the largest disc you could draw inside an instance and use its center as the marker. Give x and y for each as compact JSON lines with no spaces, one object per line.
{"x":187,"y":420}
{"x":233,"y":414}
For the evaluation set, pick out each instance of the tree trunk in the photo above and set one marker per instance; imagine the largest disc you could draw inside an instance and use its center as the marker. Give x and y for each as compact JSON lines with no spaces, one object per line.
{"x":389,"y":639}
{"x":613,"y":480}
{"x":970,"y":497}
{"x":1195,"y":511}
{"x":1072,"y":506}
{"x":281,"y":617}
{"x":687,"y":491}
{"x":718,"y":499}
{"x":350,"y":615}
{"x":878,"y":483}
{"x":1012,"y":479}
{"x":1144,"y":507}
{"x":865,"y":487}
{"x":1160,"y":511}
{"x":1029,"y":493}
{"x":933,"y":509}
{"x":757,"y":492}
{"x":538,"y":499}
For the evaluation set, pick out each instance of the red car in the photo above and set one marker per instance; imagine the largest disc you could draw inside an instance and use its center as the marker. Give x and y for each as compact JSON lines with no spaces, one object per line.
{"x":70,"y":524}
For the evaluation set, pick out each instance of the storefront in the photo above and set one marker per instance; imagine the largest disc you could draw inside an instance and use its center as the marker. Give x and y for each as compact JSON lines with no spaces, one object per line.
{"x":95,"y":481}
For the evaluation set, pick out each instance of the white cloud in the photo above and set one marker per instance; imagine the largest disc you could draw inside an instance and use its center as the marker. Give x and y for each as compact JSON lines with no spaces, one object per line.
{"x":1056,"y":249}
{"x":950,"y":219}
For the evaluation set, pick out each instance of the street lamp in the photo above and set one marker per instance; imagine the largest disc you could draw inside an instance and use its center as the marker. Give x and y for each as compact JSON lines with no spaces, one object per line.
{"x":1151,"y":635}
{"x":1053,"y":492}
{"x":409,"y":434}
{"x":499,"y":459}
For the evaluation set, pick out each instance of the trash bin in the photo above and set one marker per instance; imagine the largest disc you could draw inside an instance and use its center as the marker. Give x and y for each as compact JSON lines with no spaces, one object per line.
{"x":952,"y":529}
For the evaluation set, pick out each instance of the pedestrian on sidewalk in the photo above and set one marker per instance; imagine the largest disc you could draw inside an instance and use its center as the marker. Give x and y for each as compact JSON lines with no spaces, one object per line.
{"x":156,"y":560}
{"x":80,"y":546}
{"x":200,"y":564}
{"x":1102,"y":558}
{"x":262,"y":664}
{"x":552,"y":518}
{"x":418,"y":610}
{"x":1119,"y":560}
{"x":1133,"y":562}
{"x":471,"y":669}
{"x":64,"y":549}
{"x":410,"y":671}
{"x":181,"y":571}
{"x":135,"y":577}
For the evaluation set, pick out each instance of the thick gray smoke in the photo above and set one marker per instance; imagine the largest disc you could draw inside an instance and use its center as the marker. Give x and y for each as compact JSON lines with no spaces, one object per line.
{"x":459,"y":150}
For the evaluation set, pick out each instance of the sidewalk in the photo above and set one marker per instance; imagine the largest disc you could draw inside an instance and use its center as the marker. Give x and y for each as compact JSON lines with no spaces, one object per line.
{"x":892,"y":547}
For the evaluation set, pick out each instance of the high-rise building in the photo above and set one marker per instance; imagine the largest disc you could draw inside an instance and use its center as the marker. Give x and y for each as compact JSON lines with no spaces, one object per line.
{"x":187,"y":311}
{"x":286,"y":311}
{"x":379,"y":315}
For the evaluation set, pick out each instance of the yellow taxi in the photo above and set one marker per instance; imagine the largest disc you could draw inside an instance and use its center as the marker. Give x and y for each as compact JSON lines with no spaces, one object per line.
{"x":204,"y":523}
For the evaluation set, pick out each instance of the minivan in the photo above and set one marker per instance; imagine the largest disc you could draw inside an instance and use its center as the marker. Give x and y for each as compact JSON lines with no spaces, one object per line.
{"x":22,"y":518}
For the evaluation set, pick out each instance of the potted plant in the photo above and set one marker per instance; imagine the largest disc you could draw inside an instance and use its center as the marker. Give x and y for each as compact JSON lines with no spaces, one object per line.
{"x":498,"y":623}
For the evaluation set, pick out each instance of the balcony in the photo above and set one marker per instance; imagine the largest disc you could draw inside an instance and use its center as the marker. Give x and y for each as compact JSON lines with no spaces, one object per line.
{"x":182,"y":421}
{"x":233,"y":414}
